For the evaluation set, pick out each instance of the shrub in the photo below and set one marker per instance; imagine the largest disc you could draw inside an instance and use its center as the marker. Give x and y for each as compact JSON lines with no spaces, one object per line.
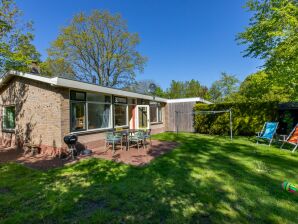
{"x":248,"y":118}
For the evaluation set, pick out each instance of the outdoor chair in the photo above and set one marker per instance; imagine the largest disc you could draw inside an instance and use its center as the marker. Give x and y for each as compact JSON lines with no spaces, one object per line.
{"x":268,"y":132}
{"x":113,"y":138}
{"x":292,"y":138}
{"x":147,"y":135}
{"x":137,"y":138}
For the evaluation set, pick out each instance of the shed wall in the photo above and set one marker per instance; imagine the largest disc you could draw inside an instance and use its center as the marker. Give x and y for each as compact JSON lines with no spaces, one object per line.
{"x":183,"y":120}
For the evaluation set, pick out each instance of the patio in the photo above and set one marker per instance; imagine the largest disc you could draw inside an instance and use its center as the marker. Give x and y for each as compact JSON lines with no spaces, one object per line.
{"x":132,"y":156}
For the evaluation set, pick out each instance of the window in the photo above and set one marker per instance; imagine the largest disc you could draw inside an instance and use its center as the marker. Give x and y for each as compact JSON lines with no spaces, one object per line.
{"x":122,"y":100}
{"x":78,"y":96}
{"x":159,"y":114}
{"x":9,"y":118}
{"x":155,"y":112}
{"x":120,"y":115}
{"x":98,"y":116}
{"x":97,"y":97}
{"x":78,"y":116}
{"x":131,"y":101}
{"x":89,"y":111}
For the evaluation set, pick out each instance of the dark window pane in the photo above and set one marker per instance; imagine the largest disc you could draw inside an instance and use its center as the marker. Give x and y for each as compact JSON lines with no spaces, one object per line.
{"x":78,"y":118}
{"x":9,"y":118}
{"x":120,"y":99}
{"x":98,"y":116}
{"x":142,"y":102}
{"x":98,"y":97}
{"x":79,"y":96}
{"x":159,"y":114}
{"x":153,"y":114}
{"x":131,"y":101}
{"x":120,"y":115}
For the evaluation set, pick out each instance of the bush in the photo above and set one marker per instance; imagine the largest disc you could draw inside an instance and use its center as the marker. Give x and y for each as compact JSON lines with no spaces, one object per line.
{"x":248,"y":118}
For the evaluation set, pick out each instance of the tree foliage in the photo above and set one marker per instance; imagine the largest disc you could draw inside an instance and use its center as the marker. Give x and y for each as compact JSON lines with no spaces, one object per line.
{"x":16,"y":50}
{"x":142,"y":87}
{"x":98,"y":46}
{"x":260,"y":87}
{"x":272,"y":36}
{"x":224,"y":87}
{"x":192,"y":88}
{"x":247,"y":117}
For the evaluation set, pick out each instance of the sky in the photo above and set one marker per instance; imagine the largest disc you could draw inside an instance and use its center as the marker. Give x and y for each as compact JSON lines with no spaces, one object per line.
{"x":182,"y":39}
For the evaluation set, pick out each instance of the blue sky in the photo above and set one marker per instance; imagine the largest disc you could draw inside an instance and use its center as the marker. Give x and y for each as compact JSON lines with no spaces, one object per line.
{"x":182,"y":39}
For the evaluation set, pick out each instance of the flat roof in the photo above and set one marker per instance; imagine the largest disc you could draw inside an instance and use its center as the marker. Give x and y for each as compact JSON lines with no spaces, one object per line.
{"x":79,"y":85}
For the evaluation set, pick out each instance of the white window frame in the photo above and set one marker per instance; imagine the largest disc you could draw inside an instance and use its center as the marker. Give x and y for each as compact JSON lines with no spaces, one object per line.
{"x":86,"y":130}
{"x":148,"y":115}
{"x":87,"y":116}
{"x":126,"y":107}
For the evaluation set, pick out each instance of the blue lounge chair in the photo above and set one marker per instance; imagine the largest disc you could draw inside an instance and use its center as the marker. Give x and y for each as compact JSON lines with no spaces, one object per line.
{"x":268,"y":132}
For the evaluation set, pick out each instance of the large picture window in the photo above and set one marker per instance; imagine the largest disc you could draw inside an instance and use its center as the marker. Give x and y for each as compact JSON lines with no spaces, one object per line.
{"x":90,"y":111}
{"x":98,"y":115}
{"x":8,"y":118}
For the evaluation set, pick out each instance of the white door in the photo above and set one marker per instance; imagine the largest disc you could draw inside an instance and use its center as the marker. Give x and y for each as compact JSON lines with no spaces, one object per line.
{"x":142,"y":117}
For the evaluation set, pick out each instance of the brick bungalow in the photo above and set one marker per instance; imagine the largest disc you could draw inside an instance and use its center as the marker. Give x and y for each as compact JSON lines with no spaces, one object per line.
{"x":43,"y":110}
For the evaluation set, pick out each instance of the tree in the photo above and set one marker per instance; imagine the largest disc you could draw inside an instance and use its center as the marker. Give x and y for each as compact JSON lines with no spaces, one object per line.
{"x":260,"y":87}
{"x":176,"y":90}
{"x":142,"y":87}
{"x":272,"y":36}
{"x":224,"y":87}
{"x":98,"y":46}
{"x":192,"y":88}
{"x":16,"y":50}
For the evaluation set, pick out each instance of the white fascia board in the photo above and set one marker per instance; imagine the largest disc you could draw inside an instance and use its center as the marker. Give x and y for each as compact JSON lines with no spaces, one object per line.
{"x":184,"y":100}
{"x":10,"y":74}
{"x":72,"y":84}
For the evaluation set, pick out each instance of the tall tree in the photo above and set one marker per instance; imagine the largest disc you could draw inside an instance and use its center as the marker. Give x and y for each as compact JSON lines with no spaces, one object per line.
{"x":222,"y":88}
{"x":260,"y":87}
{"x":98,"y":45}
{"x":272,"y":36}
{"x":192,"y":88}
{"x":16,"y":49}
{"x":142,"y":87}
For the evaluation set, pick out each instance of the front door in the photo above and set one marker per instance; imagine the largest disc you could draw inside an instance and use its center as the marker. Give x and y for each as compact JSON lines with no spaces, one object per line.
{"x":142,"y":117}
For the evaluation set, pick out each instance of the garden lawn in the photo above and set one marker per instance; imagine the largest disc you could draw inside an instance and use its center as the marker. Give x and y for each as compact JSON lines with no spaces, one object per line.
{"x":206,"y":179}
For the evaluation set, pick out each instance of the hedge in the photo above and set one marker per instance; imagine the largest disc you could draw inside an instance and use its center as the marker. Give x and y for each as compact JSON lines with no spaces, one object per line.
{"x":248,"y":118}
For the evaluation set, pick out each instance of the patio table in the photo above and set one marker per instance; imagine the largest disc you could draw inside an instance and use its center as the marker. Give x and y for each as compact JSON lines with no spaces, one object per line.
{"x":125,"y":134}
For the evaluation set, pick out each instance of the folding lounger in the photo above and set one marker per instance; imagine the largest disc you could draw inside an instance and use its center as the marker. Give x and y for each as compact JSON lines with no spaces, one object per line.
{"x":292,"y":138}
{"x":268,"y":132}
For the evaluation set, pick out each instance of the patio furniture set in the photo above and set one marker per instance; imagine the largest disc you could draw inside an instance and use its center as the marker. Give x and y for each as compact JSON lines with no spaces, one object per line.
{"x":128,"y":138}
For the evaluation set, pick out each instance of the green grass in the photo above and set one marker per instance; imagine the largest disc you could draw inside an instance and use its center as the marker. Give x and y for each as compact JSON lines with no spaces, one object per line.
{"x":206,"y":179}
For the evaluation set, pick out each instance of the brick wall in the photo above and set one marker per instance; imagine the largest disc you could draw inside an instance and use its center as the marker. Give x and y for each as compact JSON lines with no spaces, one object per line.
{"x":43,"y":116}
{"x":40,"y":108}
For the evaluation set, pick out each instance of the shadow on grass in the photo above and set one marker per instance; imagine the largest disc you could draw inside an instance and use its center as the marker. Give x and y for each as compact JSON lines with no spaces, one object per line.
{"x":205,"y":180}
